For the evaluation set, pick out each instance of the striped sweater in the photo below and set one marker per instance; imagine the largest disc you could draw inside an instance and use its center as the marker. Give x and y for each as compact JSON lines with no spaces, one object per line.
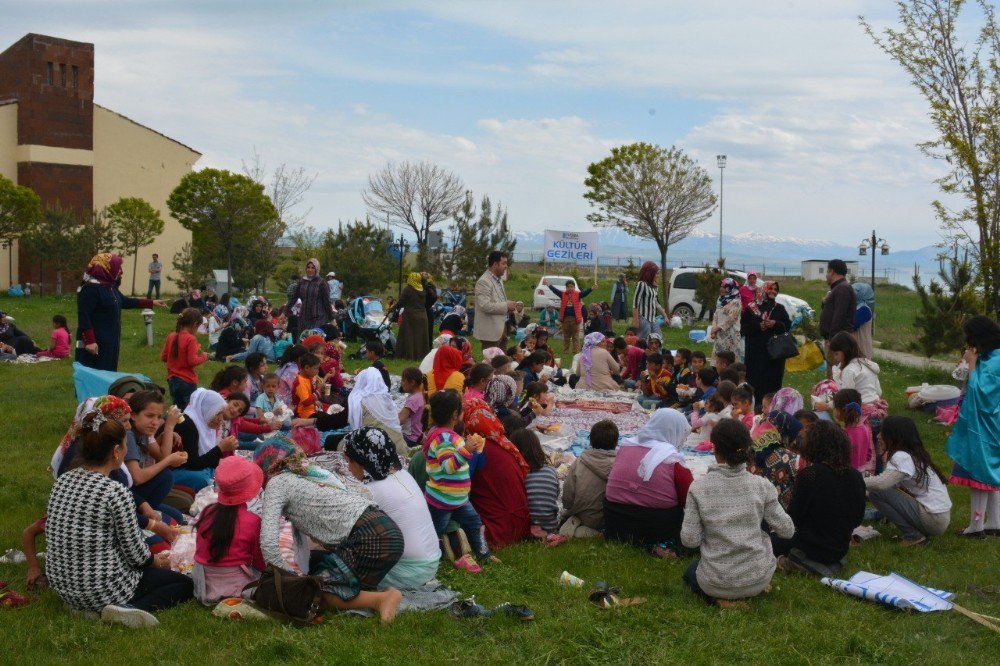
{"x":542,"y":488}
{"x":448,"y":474}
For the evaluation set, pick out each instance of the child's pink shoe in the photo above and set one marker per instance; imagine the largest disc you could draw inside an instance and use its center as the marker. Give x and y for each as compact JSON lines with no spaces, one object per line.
{"x":468,"y":564}
{"x":537,"y":532}
{"x":705,"y":446}
{"x":553,"y":540}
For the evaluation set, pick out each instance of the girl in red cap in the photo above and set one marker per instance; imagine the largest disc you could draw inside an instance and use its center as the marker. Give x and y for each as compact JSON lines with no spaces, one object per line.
{"x":227,"y":555}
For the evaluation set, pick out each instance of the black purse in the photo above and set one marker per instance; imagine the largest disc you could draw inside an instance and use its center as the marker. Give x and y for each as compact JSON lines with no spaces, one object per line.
{"x":781,"y":347}
{"x":286,"y":596}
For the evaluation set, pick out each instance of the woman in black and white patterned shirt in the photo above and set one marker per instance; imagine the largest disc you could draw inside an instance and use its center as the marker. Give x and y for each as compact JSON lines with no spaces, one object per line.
{"x":646,"y":301}
{"x":97,"y":558}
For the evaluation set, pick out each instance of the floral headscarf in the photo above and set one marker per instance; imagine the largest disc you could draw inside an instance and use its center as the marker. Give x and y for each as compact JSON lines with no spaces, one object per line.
{"x":104,"y":268}
{"x":113,"y":408}
{"x":279,"y":454}
{"x":414,"y":280}
{"x":732,"y":288}
{"x":374,"y":451}
{"x":787,"y":400}
{"x":500,"y":392}
{"x":490,"y":352}
{"x":587,"y":355}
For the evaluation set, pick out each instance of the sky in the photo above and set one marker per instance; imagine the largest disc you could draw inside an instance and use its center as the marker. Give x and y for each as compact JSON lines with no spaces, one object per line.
{"x":517,"y":98}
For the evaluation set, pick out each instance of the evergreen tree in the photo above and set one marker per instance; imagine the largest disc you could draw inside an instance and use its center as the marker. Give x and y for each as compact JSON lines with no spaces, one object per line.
{"x":944,"y":306}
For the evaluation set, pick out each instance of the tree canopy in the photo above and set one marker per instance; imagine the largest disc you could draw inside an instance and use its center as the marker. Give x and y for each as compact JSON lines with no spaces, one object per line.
{"x":473,"y":236}
{"x":20,"y":210}
{"x":137,"y":224}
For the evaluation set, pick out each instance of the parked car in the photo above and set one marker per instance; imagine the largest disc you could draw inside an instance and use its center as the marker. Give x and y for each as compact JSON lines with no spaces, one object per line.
{"x":544,"y":295}
{"x":684,"y":281}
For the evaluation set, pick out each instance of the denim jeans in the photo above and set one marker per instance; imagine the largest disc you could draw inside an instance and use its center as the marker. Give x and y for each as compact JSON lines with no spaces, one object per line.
{"x":161,"y":588}
{"x":467,"y":519}
{"x":153,"y":284}
{"x":180,"y":391}
{"x":690,"y":577}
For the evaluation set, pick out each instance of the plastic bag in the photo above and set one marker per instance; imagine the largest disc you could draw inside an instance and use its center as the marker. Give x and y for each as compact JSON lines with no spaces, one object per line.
{"x":810,"y":357}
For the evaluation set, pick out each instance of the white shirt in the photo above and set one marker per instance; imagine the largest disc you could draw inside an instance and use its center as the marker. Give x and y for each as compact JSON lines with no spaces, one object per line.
{"x":932,"y":495}
{"x":336,"y":288}
{"x":861,"y":374}
{"x":401,"y":498}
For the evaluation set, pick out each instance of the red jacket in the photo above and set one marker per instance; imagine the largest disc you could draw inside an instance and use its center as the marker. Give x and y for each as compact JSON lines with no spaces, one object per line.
{"x":189,"y":355}
{"x":577,"y":305}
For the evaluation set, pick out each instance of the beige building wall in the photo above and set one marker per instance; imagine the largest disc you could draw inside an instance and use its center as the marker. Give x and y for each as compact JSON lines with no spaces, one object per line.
{"x":8,"y":169}
{"x":131,"y":160}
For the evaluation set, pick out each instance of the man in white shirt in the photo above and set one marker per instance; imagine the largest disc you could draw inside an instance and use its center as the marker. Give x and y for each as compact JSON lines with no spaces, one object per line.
{"x":155,"y":268}
{"x":336,"y":286}
{"x":492,"y":304}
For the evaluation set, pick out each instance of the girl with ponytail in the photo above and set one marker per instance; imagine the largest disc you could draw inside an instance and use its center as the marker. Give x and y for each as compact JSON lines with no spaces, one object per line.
{"x":182,"y":354}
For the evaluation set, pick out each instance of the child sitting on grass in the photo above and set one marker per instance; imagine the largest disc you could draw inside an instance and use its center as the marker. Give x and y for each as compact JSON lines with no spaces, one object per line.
{"x":702,"y":422}
{"x":742,"y":404}
{"x":449,"y":460}
{"x":723,"y":359}
{"x":374,"y":351}
{"x":305,"y":396}
{"x":535,"y":401}
{"x":723,"y":517}
{"x":847,"y":410}
{"x":910,"y":492}
{"x":227,"y":554}
{"x":654,"y":382}
{"x":413,"y":383}
{"x":60,"y":339}
{"x":542,"y":487}
{"x":583,"y":490}
{"x":828,"y":503}
{"x":269,"y":401}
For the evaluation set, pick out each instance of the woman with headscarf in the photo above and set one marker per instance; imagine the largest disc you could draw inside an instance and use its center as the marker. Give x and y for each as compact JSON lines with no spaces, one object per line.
{"x":647,"y":488}
{"x":262,"y":341}
{"x":787,"y":400}
{"x":646,"y":301}
{"x":450,"y":327}
{"x":725,"y":329}
{"x":369,"y":404}
{"x":314,"y":293}
{"x":501,"y":394}
{"x":231,"y":338}
{"x":413,"y":340}
{"x":597,"y":368}
{"x":974,"y":443}
{"x":256,"y":311}
{"x":447,"y":372}
{"x":358,"y":543}
{"x":771,"y":457}
{"x":758,"y":324}
{"x":14,"y":340}
{"x":99,"y":306}
{"x":372,"y":458}
{"x":619,"y":298}
{"x":430,"y":299}
{"x":498,"y":493}
{"x":199,"y":433}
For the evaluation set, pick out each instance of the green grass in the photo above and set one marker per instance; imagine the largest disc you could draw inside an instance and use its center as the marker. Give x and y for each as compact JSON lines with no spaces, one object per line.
{"x":800,"y":621}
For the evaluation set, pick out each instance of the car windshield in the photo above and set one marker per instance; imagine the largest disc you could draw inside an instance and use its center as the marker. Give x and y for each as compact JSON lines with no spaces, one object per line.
{"x":556,"y":281}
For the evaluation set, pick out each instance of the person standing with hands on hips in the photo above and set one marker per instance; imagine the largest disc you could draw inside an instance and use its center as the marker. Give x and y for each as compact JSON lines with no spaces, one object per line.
{"x":492,"y":304}
{"x":155,"y":270}
{"x":570,"y":313}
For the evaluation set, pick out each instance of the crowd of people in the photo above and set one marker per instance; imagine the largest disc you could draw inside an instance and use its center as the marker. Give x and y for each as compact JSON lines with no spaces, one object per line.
{"x":457,"y":468}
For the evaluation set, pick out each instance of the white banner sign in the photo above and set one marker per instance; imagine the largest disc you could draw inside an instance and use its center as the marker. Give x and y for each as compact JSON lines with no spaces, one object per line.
{"x":570,"y":246}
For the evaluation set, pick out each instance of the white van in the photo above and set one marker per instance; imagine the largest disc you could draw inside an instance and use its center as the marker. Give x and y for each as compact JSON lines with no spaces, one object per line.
{"x":684,"y":282}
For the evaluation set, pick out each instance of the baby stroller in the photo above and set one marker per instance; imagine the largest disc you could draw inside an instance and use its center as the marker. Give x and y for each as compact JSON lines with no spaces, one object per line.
{"x":370,"y":322}
{"x":447,"y":301}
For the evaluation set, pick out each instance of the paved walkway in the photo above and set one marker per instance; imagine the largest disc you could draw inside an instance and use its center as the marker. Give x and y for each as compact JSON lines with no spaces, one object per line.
{"x":912,"y":360}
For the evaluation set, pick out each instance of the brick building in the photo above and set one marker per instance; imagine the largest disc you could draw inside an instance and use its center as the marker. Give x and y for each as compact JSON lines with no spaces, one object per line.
{"x":78,"y":154}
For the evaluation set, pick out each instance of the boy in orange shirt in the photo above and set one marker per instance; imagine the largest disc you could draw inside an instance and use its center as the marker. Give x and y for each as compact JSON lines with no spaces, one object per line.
{"x":654,"y":382}
{"x":308,"y":385}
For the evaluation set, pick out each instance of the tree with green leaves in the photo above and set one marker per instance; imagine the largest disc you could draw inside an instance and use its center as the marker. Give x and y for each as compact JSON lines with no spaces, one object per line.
{"x":706,"y":291}
{"x":225,"y":211}
{"x":474,"y":234}
{"x":959,"y":77}
{"x":944,"y":306}
{"x":137,"y":224}
{"x":20,"y":210}
{"x":650,"y":192}
{"x":187,"y":274}
{"x":55,"y":244}
{"x":360,"y":251}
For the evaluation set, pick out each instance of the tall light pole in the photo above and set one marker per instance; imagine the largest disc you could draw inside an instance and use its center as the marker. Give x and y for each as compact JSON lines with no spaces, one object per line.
{"x":721,"y":161}
{"x":872,"y":244}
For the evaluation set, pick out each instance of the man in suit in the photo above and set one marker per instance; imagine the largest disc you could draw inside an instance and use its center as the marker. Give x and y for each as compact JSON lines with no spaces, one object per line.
{"x":492,"y":304}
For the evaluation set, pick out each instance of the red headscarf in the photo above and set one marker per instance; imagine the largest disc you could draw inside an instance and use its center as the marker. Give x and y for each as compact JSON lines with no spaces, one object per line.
{"x":647,"y":273}
{"x":313,"y":339}
{"x":105,"y":268}
{"x":447,"y":360}
{"x":263,"y":327}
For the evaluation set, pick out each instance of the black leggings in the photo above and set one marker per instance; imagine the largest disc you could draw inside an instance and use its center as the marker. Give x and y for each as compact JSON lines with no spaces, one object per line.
{"x":161,"y":588}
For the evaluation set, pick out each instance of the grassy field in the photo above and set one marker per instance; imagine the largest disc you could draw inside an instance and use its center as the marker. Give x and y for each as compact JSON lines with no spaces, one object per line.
{"x":800,"y":621}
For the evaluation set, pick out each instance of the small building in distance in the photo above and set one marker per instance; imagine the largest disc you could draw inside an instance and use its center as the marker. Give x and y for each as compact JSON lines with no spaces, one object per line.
{"x":78,"y":154}
{"x":815,"y":269}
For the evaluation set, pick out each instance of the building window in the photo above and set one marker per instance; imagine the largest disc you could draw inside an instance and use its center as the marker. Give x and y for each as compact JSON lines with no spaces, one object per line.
{"x":76,"y":76}
{"x":48,"y":73}
{"x":62,"y":74}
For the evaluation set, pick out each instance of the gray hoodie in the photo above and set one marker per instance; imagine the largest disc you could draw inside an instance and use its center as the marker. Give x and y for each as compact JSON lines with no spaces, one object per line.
{"x":583,"y":490}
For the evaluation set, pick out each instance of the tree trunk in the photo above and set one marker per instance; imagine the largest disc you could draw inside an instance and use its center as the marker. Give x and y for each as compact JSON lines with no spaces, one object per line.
{"x":664,"y":295}
{"x":58,"y":283}
{"x":229,"y":272}
{"x":135,"y":267}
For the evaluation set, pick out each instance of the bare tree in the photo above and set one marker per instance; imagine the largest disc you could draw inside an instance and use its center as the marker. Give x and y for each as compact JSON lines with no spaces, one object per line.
{"x":412,"y":196}
{"x":650,"y":192}
{"x":285,"y":185}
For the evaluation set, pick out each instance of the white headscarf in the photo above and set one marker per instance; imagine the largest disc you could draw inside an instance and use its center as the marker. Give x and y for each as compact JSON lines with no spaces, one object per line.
{"x":663,"y":431}
{"x":204,"y":405}
{"x":370,"y":389}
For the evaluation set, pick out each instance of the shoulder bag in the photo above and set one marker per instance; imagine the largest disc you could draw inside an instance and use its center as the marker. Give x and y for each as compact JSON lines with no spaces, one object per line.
{"x":782,"y":346}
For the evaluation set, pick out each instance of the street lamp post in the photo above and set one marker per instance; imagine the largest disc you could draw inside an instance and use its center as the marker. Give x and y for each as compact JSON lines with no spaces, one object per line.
{"x":401,"y":245}
{"x":721,"y":161}
{"x":872,"y":244}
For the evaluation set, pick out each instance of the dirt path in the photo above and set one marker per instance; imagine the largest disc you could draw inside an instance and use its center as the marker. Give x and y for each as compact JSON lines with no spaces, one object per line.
{"x":912,"y":360}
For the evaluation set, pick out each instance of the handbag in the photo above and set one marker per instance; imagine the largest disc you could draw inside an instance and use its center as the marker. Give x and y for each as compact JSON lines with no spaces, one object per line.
{"x":286,"y":596}
{"x":780,"y":347}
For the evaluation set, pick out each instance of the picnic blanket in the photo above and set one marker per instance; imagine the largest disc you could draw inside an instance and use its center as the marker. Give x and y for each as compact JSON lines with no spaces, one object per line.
{"x":893,"y":590}
{"x":31,"y":358}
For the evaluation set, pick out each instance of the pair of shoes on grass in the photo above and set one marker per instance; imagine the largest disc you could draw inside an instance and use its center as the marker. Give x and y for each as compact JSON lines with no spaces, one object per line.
{"x":468,"y":608}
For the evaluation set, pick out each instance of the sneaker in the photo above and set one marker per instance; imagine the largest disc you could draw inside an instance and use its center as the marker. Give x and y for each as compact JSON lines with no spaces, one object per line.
{"x":468,"y":564}
{"x":129,"y":616}
{"x":789,"y":566}
{"x":521,"y":612}
{"x":469,"y":608}
{"x":962,"y":534}
{"x":84,"y":614}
